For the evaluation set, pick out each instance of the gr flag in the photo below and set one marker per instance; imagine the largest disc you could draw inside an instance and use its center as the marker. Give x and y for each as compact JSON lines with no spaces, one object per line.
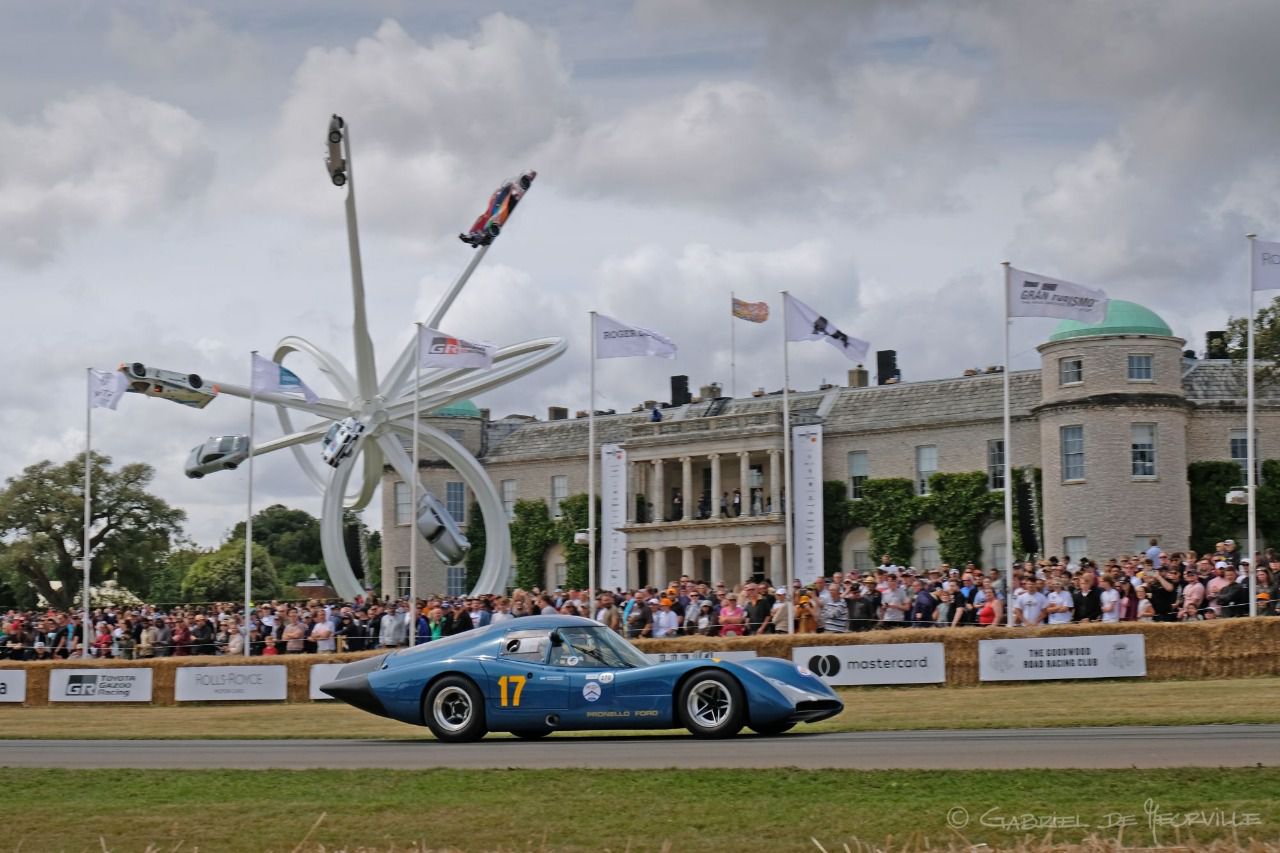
{"x":438,"y":349}
{"x":805,"y":324}
{"x":618,"y":340}
{"x":1032,"y":295}
{"x":1266,"y":265}
{"x":270,"y":376}
{"x":753,"y":312}
{"x":105,"y":388}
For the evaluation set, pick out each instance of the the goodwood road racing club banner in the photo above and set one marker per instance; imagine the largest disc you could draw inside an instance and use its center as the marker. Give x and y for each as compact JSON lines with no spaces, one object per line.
{"x":806,"y":491}
{"x":437,"y":349}
{"x":613,"y":515}
{"x":875,"y":663}
{"x":1032,"y":295}
{"x":1043,"y":658}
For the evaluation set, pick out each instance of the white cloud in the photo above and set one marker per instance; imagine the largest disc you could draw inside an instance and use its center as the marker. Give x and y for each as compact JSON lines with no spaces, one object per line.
{"x":95,"y":158}
{"x":177,"y":40}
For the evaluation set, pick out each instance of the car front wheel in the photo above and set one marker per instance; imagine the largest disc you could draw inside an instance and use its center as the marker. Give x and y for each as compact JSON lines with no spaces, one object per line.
{"x":711,"y":705}
{"x":454,"y":710}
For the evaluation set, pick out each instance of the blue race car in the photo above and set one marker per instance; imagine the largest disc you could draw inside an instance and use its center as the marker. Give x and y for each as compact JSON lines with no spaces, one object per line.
{"x":538,"y":674}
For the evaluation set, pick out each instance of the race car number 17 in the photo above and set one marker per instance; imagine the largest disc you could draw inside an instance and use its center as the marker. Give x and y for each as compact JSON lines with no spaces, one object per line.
{"x":516,"y":683}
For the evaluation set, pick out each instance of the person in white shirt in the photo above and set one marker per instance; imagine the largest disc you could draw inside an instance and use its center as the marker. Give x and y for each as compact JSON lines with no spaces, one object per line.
{"x":665,"y":621}
{"x":1059,"y":604}
{"x":1110,"y":600}
{"x":1028,"y":606}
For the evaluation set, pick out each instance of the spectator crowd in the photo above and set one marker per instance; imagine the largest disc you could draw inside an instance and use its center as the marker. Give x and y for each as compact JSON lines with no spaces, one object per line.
{"x":1154,"y":586}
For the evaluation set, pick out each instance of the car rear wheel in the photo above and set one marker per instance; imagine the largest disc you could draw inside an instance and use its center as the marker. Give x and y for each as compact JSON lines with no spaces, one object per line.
{"x":454,"y":710}
{"x":494,"y":229}
{"x":231,"y":466}
{"x":525,"y":182}
{"x":194,"y":380}
{"x":335,"y":136}
{"x":771,"y":729}
{"x":339,"y":178}
{"x":531,"y":734}
{"x":711,"y":705}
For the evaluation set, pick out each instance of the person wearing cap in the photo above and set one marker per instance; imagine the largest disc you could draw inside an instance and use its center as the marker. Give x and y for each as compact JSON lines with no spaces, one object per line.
{"x":665,"y":621}
{"x":861,"y":601}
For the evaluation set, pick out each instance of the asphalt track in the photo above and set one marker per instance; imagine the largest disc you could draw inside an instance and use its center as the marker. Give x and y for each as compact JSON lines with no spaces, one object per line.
{"x":1091,"y":748}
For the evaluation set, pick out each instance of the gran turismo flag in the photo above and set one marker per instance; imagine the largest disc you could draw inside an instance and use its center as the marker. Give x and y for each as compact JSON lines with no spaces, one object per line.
{"x":1266,"y":265}
{"x":1032,"y":295}
{"x":438,"y":349}
{"x":618,"y":340}
{"x":270,"y":376}
{"x":753,"y":312}
{"x":106,"y":387}
{"x":805,"y":324}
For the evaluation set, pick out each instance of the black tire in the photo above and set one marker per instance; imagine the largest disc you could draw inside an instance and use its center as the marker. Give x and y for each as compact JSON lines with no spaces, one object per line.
{"x":194,"y":380}
{"x":232,"y":467}
{"x":454,"y":710}
{"x":493,"y":228}
{"x":773,"y":729}
{"x":711,"y":704}
{"x":531,"y":734}
{"x":138,"y":369}
{"x":335,"y":136}
{"x":525,"y":182}
{"x":195,"y":476}
{"x":339,"y":179}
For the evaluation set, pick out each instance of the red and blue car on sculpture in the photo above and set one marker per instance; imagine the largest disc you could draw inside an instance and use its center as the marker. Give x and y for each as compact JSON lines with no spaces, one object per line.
{"x":539,"y":674}
{"x":503,"y":201}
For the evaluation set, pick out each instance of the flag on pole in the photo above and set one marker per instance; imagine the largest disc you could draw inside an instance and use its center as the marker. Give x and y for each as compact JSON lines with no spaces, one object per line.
{"x":1032,"y":295}
{"x":752,"y":312}
{"x":439,"y":349}
{"x":1266,"y":265}
{"x":618,"y":340}
{"x":106,"y":387}
{"x":805,"y":324}
{"x":270,"y":376}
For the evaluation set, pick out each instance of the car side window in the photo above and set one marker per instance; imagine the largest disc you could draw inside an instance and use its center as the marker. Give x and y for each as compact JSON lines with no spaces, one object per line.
{"x":527,"y":646}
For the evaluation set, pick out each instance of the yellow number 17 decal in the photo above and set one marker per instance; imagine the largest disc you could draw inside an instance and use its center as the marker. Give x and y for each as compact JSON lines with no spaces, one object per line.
{"x":517,"y":687}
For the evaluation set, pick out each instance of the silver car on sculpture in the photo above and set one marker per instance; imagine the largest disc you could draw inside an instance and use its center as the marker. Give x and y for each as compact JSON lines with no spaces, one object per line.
{"x":220,"y":453}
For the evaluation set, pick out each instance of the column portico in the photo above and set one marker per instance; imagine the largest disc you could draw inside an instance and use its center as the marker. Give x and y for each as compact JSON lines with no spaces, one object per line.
{"x":777,"y":568}
{"x":686,"y":486}
{"x":686,"y":561}
{"x":717,"y":564}
{"x":714,"y":459}
{"x":775,"y":481}
{"x":657,"y":501}
{"x":745,"y":556}
{"x":658,"y":577}
{"x":744,"y":483}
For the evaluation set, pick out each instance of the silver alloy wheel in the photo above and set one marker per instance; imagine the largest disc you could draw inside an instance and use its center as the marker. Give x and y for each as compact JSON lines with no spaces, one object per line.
{"x":709,"y":704}
{"x":452,"y":709}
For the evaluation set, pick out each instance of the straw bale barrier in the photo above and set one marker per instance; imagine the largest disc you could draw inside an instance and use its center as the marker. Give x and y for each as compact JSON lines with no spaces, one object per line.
{"x":1228,"y":648}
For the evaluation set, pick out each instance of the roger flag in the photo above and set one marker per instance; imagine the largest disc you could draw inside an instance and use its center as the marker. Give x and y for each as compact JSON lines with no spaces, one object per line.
{"x":619,"y":340}
{"x":805,"y":324}
{"x":754,"y":312}
{"x":438,"y":349}
{"x":1266,"y":265}
{"x":106,"y":388}
{"x":1032,"y":295}
{"x":270,"y":376}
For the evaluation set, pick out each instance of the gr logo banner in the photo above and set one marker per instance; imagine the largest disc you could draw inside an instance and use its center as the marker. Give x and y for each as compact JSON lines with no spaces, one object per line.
{"x":881,"y":663}
{"x":100,"y":685}
{"x":13,"y":685}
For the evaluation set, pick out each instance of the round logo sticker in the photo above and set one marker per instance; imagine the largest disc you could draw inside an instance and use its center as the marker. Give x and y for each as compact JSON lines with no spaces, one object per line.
{"x":591,"y":691}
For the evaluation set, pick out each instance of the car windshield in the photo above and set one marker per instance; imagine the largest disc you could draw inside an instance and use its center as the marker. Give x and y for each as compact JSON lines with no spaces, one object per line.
{"x":227,"y":443}
{"x":601,"y":647}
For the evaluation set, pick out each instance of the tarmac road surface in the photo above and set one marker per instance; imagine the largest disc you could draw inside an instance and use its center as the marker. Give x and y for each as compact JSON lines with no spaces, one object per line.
{"x":1118,"y":747}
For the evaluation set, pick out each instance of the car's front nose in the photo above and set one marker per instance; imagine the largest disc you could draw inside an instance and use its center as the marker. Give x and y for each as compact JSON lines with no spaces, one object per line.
{"x":352,"y":686}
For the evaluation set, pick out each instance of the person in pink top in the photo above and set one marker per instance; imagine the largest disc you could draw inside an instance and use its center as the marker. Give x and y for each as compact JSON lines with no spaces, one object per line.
{"x":733,"y":619}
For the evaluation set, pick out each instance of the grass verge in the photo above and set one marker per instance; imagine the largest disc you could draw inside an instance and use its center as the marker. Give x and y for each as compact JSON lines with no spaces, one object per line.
{"x":1251,"y":700}
{"x":572,"y":810}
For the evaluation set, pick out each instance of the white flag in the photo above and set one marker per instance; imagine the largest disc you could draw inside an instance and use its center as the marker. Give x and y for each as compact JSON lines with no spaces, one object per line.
{"x":618,"y":340}
{"x":1032,"y":295}
{"x":438,"y":349}
{"x":106,"y":387}
{"x":270,"y":376}
{"x":1266,"y":265}
{"x":805,"y":324}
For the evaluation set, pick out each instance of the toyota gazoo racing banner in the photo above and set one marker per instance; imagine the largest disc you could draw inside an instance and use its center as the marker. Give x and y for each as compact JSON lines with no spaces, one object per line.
{"x":879,"y":663}
{"x":106,"y":684}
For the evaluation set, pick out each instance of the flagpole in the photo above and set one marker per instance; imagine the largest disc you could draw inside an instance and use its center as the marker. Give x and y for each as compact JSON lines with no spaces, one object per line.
{"x":733,"y":350}
{"x":1008,"y":467}
{"x":413,"y":491}
{"x":786,"y":466}
{"x":591,"y":477}
{"x":88,"y":506}
{"x":1249,"y":443}
{"x":248,"y":521}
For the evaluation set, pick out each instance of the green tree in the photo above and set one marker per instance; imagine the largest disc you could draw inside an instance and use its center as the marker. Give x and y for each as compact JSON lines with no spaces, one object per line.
{"x":474,"y":561}
{"x":1266,"y":340}
{"x":532,"y":533}
{"x":166,"y":585}
{"x":42,"y":518}
{"x":291,"y":536}
{"x":219,"y":575}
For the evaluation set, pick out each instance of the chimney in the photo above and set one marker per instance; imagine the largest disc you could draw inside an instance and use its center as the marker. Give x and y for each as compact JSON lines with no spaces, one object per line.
{"x":1215,"y":344}
{"x":709,"y":392}
{"x":557,"y":413}
{"x":679,"y":390}
{"x":858,"y":377}
{"x":759,"y":392}
{"x":887,"y":366}
{"x":1189,"y":354}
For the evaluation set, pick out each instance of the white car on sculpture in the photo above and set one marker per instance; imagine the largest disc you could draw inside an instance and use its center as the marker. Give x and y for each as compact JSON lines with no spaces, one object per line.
{"x":437,"y":526}
{"x":340,"y":440}
{"x":220,"y":453}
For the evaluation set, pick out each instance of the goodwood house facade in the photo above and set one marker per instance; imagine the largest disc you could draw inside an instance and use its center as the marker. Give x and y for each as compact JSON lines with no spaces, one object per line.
{"x":1113,"y":417}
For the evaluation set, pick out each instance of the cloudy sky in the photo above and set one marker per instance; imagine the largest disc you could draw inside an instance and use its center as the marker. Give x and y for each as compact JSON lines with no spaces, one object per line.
{"x":163,"y":197}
